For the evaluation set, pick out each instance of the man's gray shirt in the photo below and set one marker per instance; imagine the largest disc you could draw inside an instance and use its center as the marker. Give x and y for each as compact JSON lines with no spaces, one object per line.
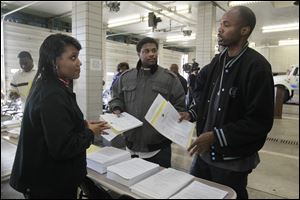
{"x":135,"y":92}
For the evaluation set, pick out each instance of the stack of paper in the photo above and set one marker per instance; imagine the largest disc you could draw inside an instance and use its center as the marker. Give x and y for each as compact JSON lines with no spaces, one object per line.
{"x":119,"y":124}
{"x":9,"y":124}
{"x":131,"y":171}
{"x":15,"y":132}
{"x":163,"y":184}
{"x":197,"y":190}
{"x":164,"y":118}
{"x":101,"y":159}
{"x":92,"y":148}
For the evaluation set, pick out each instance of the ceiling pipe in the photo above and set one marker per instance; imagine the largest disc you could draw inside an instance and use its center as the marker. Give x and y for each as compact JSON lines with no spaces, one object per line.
{"x":127,"y":33}
{"x":66,"y":14}
{"x":3,"y":68}
{"x":217,"y":5}
{"x":158,"y":12}
{"x":154,"y":3}
{"x":17,"y":9}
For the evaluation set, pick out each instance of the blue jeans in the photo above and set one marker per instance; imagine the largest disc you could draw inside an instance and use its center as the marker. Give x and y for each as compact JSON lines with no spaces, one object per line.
{"x":163,"y":157}
{"x":235,"y":180}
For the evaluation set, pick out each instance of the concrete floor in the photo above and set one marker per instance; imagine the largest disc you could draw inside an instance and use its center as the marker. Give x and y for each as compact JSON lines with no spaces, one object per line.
{"x":277,"y":175}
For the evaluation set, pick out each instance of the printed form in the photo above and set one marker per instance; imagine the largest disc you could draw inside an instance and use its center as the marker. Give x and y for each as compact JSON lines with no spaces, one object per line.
{"x":164,"y":118}
{"x":197,"y":190}
{"x":119,"y":124}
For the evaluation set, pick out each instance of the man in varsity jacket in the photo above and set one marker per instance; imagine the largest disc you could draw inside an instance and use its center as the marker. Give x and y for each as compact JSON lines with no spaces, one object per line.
{"x":235,"y":111}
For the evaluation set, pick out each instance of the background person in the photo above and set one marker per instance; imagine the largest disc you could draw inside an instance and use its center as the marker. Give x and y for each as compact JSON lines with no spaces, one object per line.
{"x":22,"y":80}
{"x":122,"y":67}
{"x":135,"y":92}
{"x":175,"y":69}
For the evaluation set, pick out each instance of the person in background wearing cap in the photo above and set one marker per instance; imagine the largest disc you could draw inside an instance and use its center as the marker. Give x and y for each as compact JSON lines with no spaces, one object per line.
{"x":134,"y":93}
{"x":22,"y":80}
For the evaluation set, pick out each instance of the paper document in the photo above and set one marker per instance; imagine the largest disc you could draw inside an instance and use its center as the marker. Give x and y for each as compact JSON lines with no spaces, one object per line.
{"x":15,"y":132}
{"x":131,"y":171}
{"x":198,"y":190}
{"x":100,"y":159}
{"x":119,"y":124}
{"x":164,"y":118}
{"x":163,"y":184}
{"x":110,"y":135}
{"x":93,"y":148}
{"x":6,"y":125}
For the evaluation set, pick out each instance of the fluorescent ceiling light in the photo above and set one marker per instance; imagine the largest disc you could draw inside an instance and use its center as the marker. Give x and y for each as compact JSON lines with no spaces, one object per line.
{"x":110,"y":73}
{"x":281,"y":27}
{"x":126,"y":20}
{"x":288,"y":42}
{"x":180,"y":38}
{"x":240,"y":3}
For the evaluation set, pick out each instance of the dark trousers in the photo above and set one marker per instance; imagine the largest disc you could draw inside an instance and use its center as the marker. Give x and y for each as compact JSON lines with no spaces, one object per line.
{"x":51,"y":193}
{"x":235,"y":180}
{"x":163,"y":157}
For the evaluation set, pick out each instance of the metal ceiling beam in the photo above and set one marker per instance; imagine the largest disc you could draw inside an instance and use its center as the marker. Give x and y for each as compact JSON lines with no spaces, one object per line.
{"x":66,"y":14}
{"x":217,"y":5}
{"x":158,"y":12}
{"x":154,"y":3}
{"x":20,"y":8}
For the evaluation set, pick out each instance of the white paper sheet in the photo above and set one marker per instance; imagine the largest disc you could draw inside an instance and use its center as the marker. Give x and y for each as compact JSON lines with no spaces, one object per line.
{"x":123,"y":123}
{"x":198,"y":190}
{"x":132,"y":168}
{"x":164,"y":118}
{"x":163,"y":184}
{"x":131,"y":171}
{"x":110,"y":135}
{"x":100,"y":159}
{"x":107,"y":154}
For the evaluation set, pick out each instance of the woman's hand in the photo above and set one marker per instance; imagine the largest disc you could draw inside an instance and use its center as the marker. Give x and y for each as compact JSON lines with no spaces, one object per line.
{"x":98,"y":126}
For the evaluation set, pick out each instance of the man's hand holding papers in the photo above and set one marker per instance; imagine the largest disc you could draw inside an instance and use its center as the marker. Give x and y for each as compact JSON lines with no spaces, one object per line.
{"x":203,"y":142}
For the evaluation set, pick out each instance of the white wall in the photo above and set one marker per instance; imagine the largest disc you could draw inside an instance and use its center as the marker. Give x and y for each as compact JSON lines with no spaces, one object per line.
{"x":19,"y":37}
{"x":281,"y":57}
{"x":191,"y":56}
{"x":171,"y":57}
